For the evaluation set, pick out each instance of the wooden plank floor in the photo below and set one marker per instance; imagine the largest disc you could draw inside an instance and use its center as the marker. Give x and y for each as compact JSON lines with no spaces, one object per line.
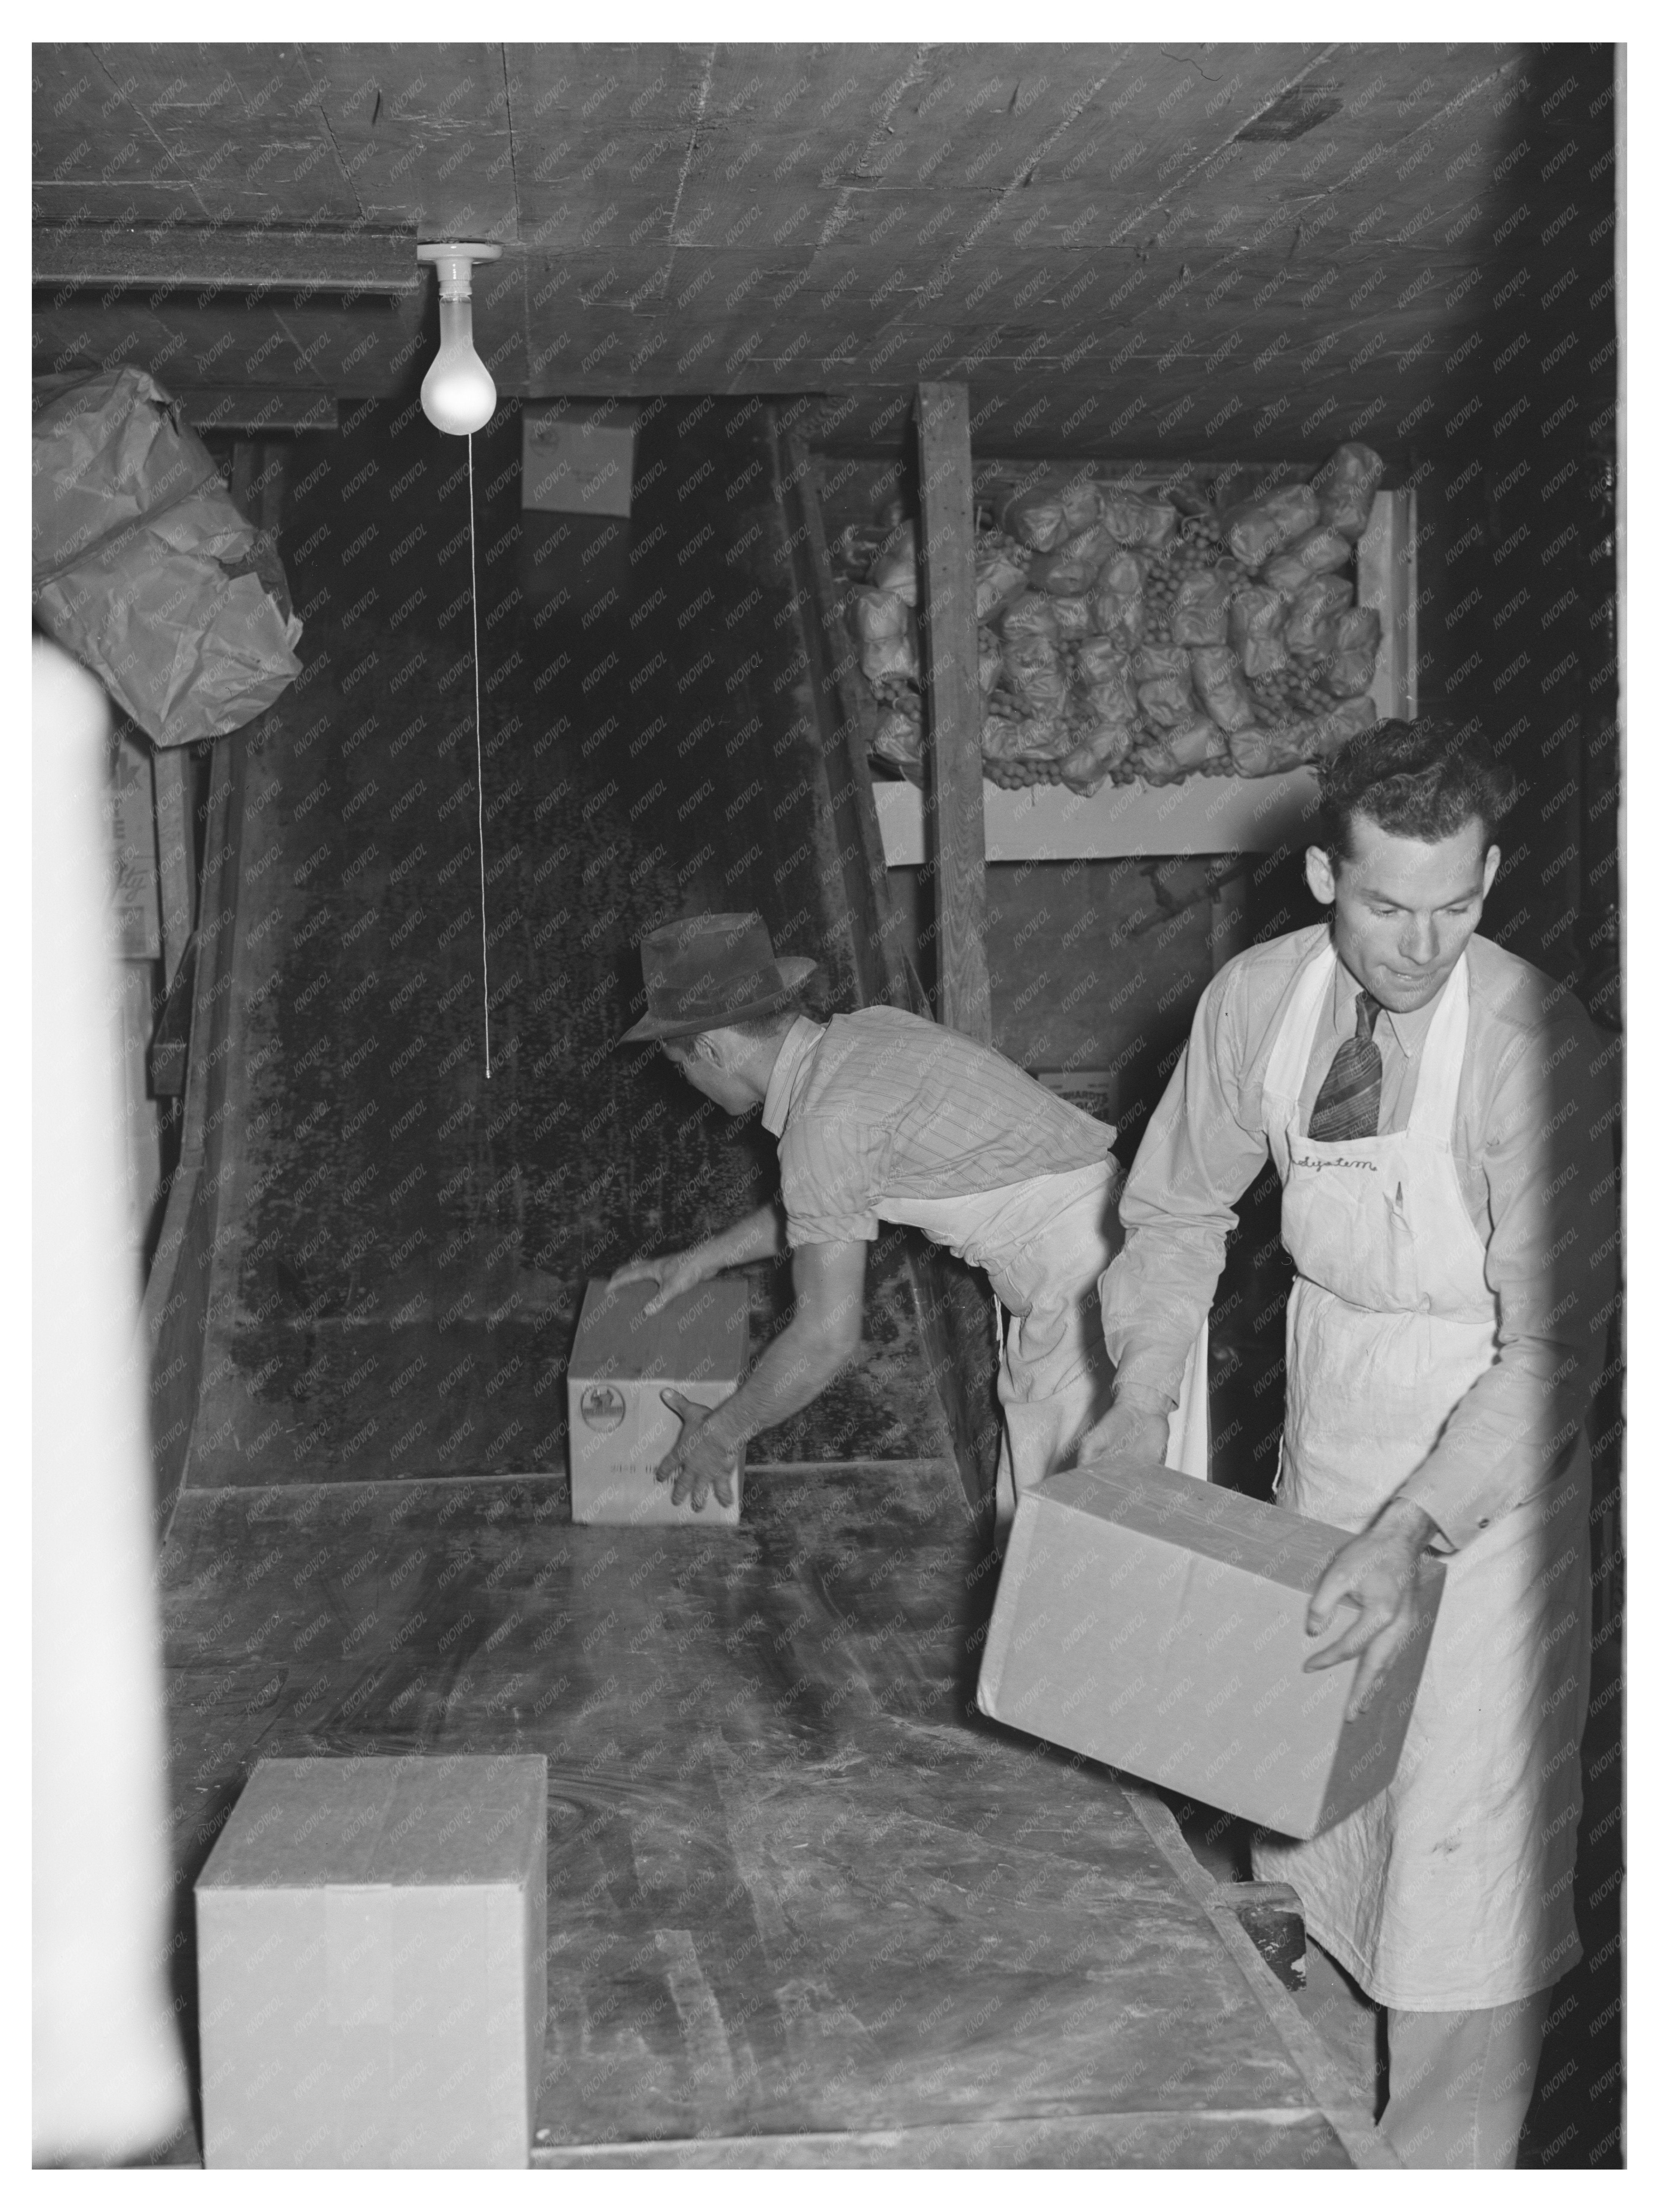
{"x":806,"y":1908}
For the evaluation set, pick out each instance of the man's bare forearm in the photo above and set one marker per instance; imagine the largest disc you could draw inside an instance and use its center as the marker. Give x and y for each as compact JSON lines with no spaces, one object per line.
{"x":757,"y":1236}
{"x":788,"y":1375}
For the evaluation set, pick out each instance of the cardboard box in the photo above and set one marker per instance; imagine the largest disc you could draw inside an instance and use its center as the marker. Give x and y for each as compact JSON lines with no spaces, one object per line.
{"x":620,"y":1364}
{"x":1157,"y":1623}
{"x":372,"y":1941}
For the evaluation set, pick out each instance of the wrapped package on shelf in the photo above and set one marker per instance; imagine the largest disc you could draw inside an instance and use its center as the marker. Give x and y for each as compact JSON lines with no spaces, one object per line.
{"x":1071,"y":569}
{"x":1031,"y":616}
{"x":1256,"y":629}
{"x":144,"y":569}
{"x":1258,"y":752}
{"x":1352,"y":663}
{"x":1092,"y":759}
{"x":997,"y":580}
{"x":1047,"y":513}
{"x":1199,"y":614}
{"x":1118,"y":602}
{"x":884,"y":630}
{"x":1073,"y":619}
{"x":1311,"y":620}
{"x":1347,"y":485}
{"x":1162,"y":678}
{"x":1221,"y":687}
{"x":1320,"y":551}
{"x":990,"y":662}
{"x":897,"y":738}
{"x":1135,"y":520}
{"x":1258,"y":528}
{"x":1103,"y":673}
{"x":1332,"y":731}
{"x":1034,"y":671}
{"x":1196,"y":746}
{"x":893,"y":568}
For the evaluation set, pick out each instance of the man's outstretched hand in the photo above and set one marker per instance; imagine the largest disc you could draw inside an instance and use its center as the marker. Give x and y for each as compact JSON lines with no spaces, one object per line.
{"x":673,"y":1273}
{"x":1376,"y":1573}
{"x":701,"y":1460}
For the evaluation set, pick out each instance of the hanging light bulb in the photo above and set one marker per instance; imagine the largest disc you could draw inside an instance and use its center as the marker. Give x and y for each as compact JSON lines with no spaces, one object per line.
{"x":458,"y":394}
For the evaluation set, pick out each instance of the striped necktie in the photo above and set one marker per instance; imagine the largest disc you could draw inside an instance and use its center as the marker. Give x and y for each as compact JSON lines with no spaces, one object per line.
{"x":1351,"y":1097}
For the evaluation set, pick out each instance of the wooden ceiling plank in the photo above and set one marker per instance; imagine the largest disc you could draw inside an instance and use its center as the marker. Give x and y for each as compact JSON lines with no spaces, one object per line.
{"x":229,"y":256}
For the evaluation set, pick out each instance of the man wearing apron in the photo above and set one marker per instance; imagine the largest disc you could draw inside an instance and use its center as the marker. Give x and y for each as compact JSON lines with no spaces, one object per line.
{"x":881,"y":1116}
{"x":1436,"y":1110}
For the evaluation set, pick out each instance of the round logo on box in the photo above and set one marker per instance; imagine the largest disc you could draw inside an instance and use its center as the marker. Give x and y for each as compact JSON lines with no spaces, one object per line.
{"x":603,"y":1408}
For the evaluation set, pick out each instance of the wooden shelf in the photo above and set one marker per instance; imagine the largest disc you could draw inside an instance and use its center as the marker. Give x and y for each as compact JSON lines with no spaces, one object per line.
{"x":1206,"y":814}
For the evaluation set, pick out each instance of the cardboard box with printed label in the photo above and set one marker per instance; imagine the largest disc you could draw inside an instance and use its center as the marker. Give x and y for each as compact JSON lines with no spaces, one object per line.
{"x":1159,"y":1624}
{"x":621,"y":1363}
{"x":371,"y":1961}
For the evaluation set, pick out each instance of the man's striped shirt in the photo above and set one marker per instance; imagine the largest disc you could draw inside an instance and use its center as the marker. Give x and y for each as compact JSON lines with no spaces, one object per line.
{"x":881,"y":1105}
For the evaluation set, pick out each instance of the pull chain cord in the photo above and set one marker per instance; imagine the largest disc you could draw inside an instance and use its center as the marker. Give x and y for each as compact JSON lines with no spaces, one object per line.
{"x":478,"y":731}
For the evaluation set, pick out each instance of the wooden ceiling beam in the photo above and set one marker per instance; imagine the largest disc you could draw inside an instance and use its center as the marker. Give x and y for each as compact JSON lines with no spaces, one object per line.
{"x":184,"y":257}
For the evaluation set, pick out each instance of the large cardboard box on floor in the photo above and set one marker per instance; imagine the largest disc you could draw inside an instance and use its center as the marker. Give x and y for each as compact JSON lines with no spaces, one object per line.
{"x":1159,"y":1624}
{"x":622,"y":1359}
{"x":371,"y":1961}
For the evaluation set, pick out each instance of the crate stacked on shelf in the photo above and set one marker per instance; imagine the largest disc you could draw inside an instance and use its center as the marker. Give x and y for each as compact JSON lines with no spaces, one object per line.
{"x":1134,"y":628}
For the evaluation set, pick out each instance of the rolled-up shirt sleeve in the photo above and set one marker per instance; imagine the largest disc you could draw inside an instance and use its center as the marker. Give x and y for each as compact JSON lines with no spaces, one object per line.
{"x":1552,"y":1264}
{"x":1201,"y":1151}
{"x":832,"y":1173}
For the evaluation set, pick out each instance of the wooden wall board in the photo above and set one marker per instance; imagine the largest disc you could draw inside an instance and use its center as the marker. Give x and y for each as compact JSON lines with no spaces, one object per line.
{"x":797,"y":1891}
{"x":950,"y":695}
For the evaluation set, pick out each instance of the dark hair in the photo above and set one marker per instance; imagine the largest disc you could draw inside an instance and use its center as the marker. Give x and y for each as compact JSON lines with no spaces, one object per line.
{"x":1422,"y":779}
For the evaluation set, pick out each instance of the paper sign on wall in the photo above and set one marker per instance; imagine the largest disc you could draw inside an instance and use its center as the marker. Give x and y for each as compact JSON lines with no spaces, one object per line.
{"x":579,"y":460}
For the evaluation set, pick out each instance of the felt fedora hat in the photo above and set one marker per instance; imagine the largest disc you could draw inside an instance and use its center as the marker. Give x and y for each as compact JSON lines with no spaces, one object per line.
{"x":710,"y":969}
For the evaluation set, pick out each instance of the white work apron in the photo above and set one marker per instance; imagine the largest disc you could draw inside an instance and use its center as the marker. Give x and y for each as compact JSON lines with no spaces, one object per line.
{"x":1453,"y":1889}
{"x":1045,"y":1243}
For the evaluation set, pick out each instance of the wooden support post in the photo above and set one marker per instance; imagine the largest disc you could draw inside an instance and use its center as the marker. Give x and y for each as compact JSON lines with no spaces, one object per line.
{"x":949,"y":641}
{"x":176,"y":848}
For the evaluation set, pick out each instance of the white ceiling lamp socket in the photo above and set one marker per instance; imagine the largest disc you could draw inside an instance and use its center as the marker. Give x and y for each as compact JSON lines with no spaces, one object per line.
{"x":458,"y":394}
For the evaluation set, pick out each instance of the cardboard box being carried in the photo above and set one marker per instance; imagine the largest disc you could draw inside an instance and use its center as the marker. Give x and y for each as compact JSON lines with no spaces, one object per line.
{"x":1159,"y":1624}
{"x":372,"y":1941}
{"x":620,"y":1364}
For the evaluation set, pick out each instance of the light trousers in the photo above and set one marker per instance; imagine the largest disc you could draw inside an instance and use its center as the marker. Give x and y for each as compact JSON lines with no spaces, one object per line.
{"x":1460,"y":2083}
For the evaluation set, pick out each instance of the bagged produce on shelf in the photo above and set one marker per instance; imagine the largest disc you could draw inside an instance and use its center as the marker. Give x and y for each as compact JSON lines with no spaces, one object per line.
{"x":1153,"y":762}
{"x":1196,"y":746}
{"x":1332,"y":731}
{"x":145,"y":569}
{"x":1320,"y":550}
{"x":1033,"y":671}
{"x":1310,"y":622}
{"x":893,"y":568}
{"x":1198,"y":614}
{"x":1150,"y":661}
{"x":1133,"y":520}
{"x":1030,"y":737}
{"x":1352,"y":664}
{"x":1219,"y":684}
{"x":1073,"y":566}
{"x":1109,"y":698}
{"x":1260,"y":751}
{"x":1118,"y":600}
{"x":1048,"y":512}
{"x":1089,"y":763}
{"x":1031,"y":615}
{"x":897,"y":738}
{"x":1256,"y":629}
{"x":1347,"y":485}
{"x":1261,"y":527}
{"x":990,"y":661}
{"x":1167,"y":701}
{"x":997,"y":580}
{"x":1073,"y":618}
{"x":884,"y":630}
